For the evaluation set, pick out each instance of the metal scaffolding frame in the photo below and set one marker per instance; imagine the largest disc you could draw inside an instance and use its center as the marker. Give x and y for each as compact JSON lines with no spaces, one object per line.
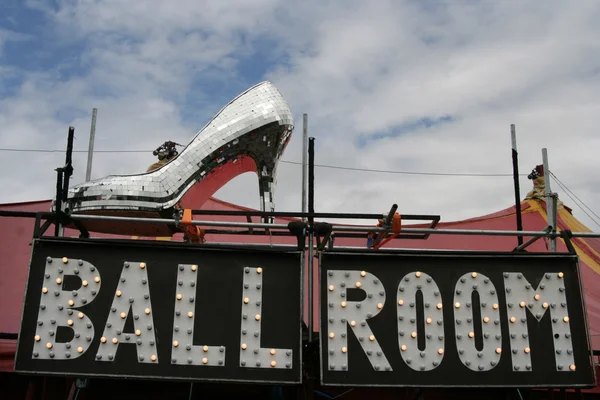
{"x":364,"y":229}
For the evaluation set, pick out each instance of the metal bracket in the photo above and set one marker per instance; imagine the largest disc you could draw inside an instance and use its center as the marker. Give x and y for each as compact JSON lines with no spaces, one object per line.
{"x":325,"y":229}
{"x":566,"y":235}
{"x":83,"y":233}
{"x":299,"y":229}
{"x":523,"y":246}
{"x":39,"y":229}
{"x":82,"y":383}
{"x":249,"y":220}
{"x":331,"y":241}
{"x":177,"y":215}
{"x":387,"y":225}
{"x":64,"y":219}
{"x":59,"y":218}
{"x":192,"y":233}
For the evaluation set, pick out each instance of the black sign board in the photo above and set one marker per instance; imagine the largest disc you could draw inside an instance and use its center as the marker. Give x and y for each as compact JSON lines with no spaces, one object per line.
{"x":453,"y":319}
{"x":162,"y":310}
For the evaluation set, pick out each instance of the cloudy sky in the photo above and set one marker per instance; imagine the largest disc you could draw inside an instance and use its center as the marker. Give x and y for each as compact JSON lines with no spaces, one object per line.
{"x":415,"y":86}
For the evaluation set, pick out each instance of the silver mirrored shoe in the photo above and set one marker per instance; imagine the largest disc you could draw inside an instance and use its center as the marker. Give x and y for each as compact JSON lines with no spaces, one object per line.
{"x":253,"y":129}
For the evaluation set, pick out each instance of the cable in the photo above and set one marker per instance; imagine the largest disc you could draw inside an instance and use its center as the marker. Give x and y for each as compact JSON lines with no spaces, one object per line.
{"x":74,"y":151}
{"x":398,"y":172}
{"x":381,"y":171}
{"x":567,"y":191}
{"x":343,"y":393}
{"x":322,"y":394}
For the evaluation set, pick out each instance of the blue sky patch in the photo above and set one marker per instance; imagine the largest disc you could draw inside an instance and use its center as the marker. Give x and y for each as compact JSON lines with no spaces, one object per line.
{"x":422,"y":123}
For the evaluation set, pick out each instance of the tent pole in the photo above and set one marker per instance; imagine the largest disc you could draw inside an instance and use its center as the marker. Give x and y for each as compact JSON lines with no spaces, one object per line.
{"x":550,"y":199}
{"x":62,"y":183}
{"x":311,"y":230}
{"x":515,"y":162}
{"x":88,"y":171}
{"x":304,"y":160}
{"x":58,"y":228}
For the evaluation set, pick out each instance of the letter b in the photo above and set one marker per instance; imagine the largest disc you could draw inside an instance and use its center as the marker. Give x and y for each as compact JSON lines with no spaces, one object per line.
{"x":57,"y":309}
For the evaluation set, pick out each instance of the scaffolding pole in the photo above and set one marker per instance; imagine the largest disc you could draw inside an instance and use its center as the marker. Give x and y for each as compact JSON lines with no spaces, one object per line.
{"x":311,"y":231}
{"x":550,"y":199}
{"x":62,"y":181}
{"x":88,"y":171}
{"x":336,"y":228}
{"x":304,"y":161}
{"x":515,"y":162}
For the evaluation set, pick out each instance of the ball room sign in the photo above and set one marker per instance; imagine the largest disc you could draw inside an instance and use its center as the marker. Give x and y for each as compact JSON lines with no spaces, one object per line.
{"x":453,"y":319}
{"x":161,"y":310}
{"x":416,"y":318}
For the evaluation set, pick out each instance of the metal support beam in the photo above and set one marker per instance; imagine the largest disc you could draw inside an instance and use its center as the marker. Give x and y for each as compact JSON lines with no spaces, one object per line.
{"x":305,"y":215}
{"x":311,"y":232}
{"x":550,"y":199}
{"x":515,"y":163}
{"x":62,"y":182}
{"x":58,"y":228}
{"x":534,"y":239}
{"x":311,"y":179}
{"x":336,"y":228}
{"x":68,"y":169}
{"x":88,"y":171}
{"x":311,"y":264}
{"x":304,"y":161}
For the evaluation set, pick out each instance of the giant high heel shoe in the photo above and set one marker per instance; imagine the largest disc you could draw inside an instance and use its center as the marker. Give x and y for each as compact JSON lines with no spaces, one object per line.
{"x":249,"y":133}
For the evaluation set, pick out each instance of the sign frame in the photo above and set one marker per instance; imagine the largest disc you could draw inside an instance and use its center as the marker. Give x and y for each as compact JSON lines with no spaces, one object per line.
{"x":284,"y":251}
{"x":435,"y":253}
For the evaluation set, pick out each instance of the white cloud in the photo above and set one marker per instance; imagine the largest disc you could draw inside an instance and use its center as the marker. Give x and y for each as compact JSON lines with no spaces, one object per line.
{"x":489,"y":65}
{"x":357,"y":68}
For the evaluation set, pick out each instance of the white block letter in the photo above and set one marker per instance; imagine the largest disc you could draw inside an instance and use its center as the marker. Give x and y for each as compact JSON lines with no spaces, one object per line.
{"x":522,"y":297}
{"x":57,"y":308}
{"x":183,"y":349}
{"x":132,"y":294}
{"x":342,"y":313}
{"x":488,"y":357}
{"x":251,"y":354}
{"x":433,"y":353}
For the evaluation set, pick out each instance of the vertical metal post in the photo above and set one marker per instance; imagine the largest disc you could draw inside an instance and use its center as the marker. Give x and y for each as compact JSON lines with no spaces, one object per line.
{"x":62,"y":181}
{"x":58,"y":228}
{"x":88,"y":171}
{"x":68,"y":163}
{"x":515,"y":161}
{"x":311,"y":178}
{"x":550,"y":199}
{"x":304,"y":160}
{"x":311,"y":210}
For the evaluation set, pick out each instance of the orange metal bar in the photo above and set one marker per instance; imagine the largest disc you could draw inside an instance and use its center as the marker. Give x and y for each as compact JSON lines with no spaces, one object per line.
{"x":396,"y":228}
{"x":194,"y":233}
